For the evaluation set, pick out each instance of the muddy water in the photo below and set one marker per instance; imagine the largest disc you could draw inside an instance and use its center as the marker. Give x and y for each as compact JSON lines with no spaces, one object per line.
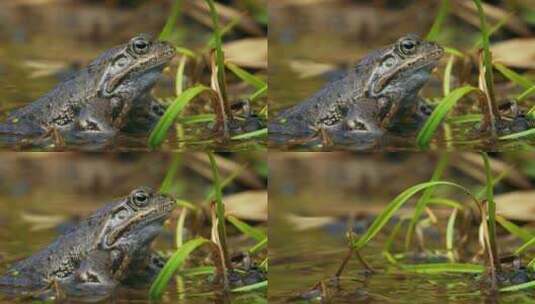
{"x":311,"y":45}
{"x":302,"y":258}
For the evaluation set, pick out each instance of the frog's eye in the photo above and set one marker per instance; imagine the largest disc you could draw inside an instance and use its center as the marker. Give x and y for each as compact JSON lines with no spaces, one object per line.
{"x":121,"y":62}
{"x":140,"y":198}
{"x":140,"y":46}
{"x":388,"y":62}
{"x":407,"y":46}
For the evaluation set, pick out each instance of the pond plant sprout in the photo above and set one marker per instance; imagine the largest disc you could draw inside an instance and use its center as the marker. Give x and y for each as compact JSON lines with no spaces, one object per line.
{"x":217,"y":244}
{"x":486,"y":208}
{"x":484,"y":93}
{"x":216,"y":92}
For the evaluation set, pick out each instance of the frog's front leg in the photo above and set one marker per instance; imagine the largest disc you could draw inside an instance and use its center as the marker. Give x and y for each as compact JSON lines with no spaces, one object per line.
{"x":95,"y":123}
{"x":92,"y":280}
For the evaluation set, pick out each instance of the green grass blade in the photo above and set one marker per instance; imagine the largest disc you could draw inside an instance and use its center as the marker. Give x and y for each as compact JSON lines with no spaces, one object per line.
{"x":444,"y":268}
{"x":440,"y":112}
{"x":526,"y":94}
{"x":525,"y":246}
{"x":169,"y":178}
{"x":454,"y":52}
{"x":171,"y":21}
{"x":422,"y":202}
{"x":491,"y":208}
{"x":258,"y":133}
{"x":530,"y":284}
{"x":259,"y":246}
{"x":462,"y":119}
{"x":255,"y":286}
{"x":394,"y":206}
{"x":195,"y":119}
{"x":246,"y":76}
{"x":246,"y":229}
{"x":160,"y":131}
{"x":220,"y":57}
{"x":487,"y":57}
{"x":447,"y":76}
{"x":175,"y":262}
{"x":259,"y":93}
{"x":439,"y":20}
{"x":515,"y":230}
{"x":186,"y":52}
{"x":179,"y":81}
{"x":526,"y":133}
{"x":219,"y":209}
{"x":514,"y":76}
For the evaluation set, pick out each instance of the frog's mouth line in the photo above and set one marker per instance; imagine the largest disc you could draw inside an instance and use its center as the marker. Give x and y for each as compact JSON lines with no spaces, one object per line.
{"x":424,"y":62}
{"x":116,"y":81}
{"x":156,"y":214}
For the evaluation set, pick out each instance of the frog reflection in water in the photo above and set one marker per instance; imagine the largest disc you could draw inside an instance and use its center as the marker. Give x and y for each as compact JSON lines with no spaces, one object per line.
{"x":108,"y":248}
{"x":373,"y":97}
{"x":110,"y":94}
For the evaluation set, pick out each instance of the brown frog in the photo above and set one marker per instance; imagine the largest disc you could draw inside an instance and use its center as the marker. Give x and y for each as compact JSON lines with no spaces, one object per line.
{"x":97,"y":100}
{"x":108,"y":248}
{"x":370,"y":99}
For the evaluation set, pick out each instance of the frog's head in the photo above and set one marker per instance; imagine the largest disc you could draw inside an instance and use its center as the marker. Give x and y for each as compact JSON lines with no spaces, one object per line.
{"x":135,"y":221}
{"x":401,"y":68}
{"x":133,"y":68}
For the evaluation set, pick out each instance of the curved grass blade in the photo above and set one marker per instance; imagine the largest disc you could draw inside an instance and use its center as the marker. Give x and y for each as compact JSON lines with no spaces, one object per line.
{"x":397,"y":203}
{"x":491,"y":207}
{"x":195,"y":119}
{"x":255,"y":286}
{"x":218,"y":45}
{"x":169,"y":178}
{"x":246,"y":76}
{"x":526,"y":133}
{"x":515,"y":230}
{"x":439,"y":20}
{"x":514,"y":76}
{"x":447,"y":76}
{"x":252,"y":134}
{"x":259,"y":246}
{"x":518,"y":287}
{"x":174,"y":263}
{"x":171,"y":21}
{"x":246,"y":229}
{"x":424,"y":199}
{"x":487,"y":56}
{"x":160,"y":131}
{"x":525,"y":246}
{"x":432,"y":123}
{"x":259,"y":93}
{"x":526,"y":94}
{"x":444,"y":268}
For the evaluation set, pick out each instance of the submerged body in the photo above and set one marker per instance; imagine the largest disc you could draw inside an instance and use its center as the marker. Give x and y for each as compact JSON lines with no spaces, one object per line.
{"x":381,"y":90}
{"x":98,"y":99}
{"x":107,"y":248}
